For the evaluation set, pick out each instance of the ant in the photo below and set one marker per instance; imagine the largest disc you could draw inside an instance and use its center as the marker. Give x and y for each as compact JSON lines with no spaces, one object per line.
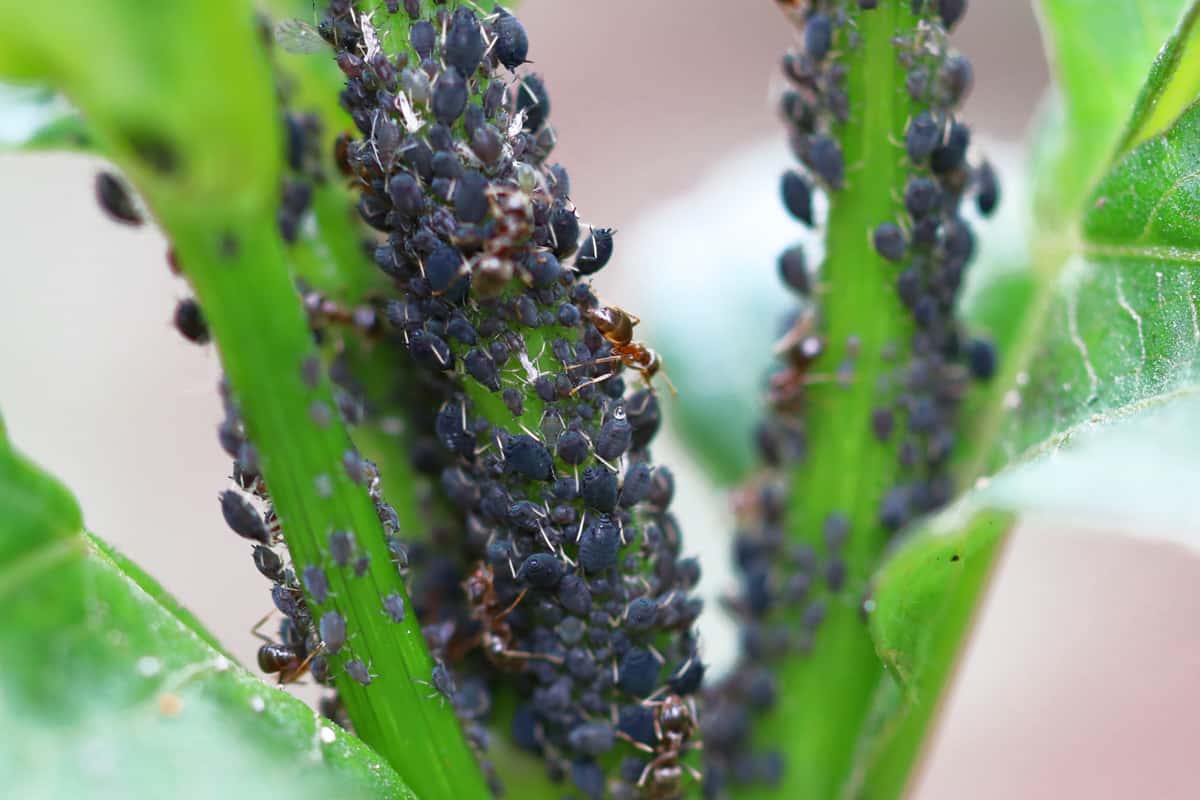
{"x":674,"y":724}
{"x":616,"y":326}
{"x":496,"y":634}
{"x":291,"y":661}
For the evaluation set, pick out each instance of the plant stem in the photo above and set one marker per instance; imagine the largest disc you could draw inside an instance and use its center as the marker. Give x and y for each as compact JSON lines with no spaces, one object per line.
{"x":846,"y":468}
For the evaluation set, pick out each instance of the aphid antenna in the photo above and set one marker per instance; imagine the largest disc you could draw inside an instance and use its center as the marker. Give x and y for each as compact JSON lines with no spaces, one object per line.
{"x":657,"y":655}
{"x":579,"y":531}
{"x":605,"y":463}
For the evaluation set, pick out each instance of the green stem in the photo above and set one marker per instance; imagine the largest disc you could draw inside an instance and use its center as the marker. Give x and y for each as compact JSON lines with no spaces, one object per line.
{"x":818,"y":718}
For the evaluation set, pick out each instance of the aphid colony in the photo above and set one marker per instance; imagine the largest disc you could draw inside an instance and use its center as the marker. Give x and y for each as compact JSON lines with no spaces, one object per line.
{"x":787,"y":584}
{"x":560,"y":573}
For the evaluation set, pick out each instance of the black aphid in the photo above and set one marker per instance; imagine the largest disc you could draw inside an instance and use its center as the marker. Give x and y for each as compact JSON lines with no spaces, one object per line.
{"x":332,"y":629}
{"x":595,"y":252}
{"x":533,"y":99}
{"x":479,"y":365}
{"x":951,"y":11}
{"x":825,"y":158}
{"x":638,"y":671}
{"x":922,"y":137}
{"x":357,"y":670}
{"x":818,"y":36}
{"x":316,"y":583}
{"x":464,"y":45}
{"x":422,"y":36}
{"x":541,"y":571}
{"x":512,"y":43}
{"x":113,"y":197}
{"x":793,"y":269}
{"x":987,"y":189}
{"x":797,"y":196}
{"x":393,"y":606}
{"x":528,"y":457}
{"x":449,"y":97}
{"x":921,"y":196}
{"x":341,"y":547}
{"x":189,"y":321}
{"x":243,"y":518}
{"x":268,"y":562}
{"x":889,"y":241}
{"x":950,"y":156}
{"x":599,"y":545}
{"x":981,"y":359}
{"x":592,"y":738}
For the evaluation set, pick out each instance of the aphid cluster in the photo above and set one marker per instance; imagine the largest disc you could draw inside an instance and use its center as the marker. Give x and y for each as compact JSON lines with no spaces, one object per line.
{"x":562,"y":574}
{"x":787,"y":584}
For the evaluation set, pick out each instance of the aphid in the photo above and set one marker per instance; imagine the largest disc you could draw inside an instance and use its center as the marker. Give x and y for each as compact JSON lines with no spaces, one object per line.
{"x":449,"y":96}
{"x":825,"y":159}
{"x":615,"y":437}
{"x":797,"y":196}
{"x":889,"y":241}
{"x":597,"y":249}
{"x":268,"y":562}
{"x":243,"y":518}
{"x":316,"y":583}
{"x":533,"y":99}
{"x":332,"y":629}
{"x":592,"y":738}
{"x":922,"y":137}
{"x":981,"y":359}
{"x":464,"y":46}
{"x":638,"y":672}
{"x":598,"y":488}
{"x":431,"y":351}
{"x":793,"y":269}
{"x":882,"y":423}
{"x":443,"y":680}
{"x":599,"y":545}
{"x":921,"y":196}
{"x":357,"y":670}
{"x":987,"y":189}
{"x":818,"y":36}
{"x":574,"y":594}
{"x":512,"y":43}
{"x":541,"y":571}
{"x":951,"y":11}
{"x":528,"y":458}
{"x":544,"y":270}
{"x":565,"y":226}
{"x":114,"y":199}
{"x":894,"y":510}
{"x":189,"y":321}
{"x":423,"y":37}
{"x":949,"y":156}
{"x":470,"y":197}
{"x":955,"y":77}
{"x":481,"y":367}
{"x":341,"y":547}
{"x":393,"y":606}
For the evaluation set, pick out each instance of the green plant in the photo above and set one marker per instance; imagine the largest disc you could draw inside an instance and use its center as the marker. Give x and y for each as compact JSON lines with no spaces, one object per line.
{"x":520,"y":466}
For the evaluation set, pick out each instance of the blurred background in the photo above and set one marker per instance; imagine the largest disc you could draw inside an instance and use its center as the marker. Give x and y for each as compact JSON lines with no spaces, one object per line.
{"x":1081,"y":679}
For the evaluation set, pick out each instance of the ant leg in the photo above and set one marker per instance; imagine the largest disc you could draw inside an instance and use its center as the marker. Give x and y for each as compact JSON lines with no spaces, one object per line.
{"x":593,"y":381}
{"x":259,"y":624}
{"x":601,"y":360}
{"x":509,"y":610}
{"x":645,"y":748}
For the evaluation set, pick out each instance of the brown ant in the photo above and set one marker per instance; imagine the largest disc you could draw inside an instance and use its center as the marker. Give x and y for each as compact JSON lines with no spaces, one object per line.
{"x":674,"y":724}
{"x":616,"y":326}
{"x":289,"y":661}
{"x":495,"y":635}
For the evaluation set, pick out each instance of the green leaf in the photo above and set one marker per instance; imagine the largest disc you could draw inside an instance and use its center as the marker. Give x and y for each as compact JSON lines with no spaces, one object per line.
{"x":1099,"y":54}
{"x":924,"y":602}
{"x":105,"y":691}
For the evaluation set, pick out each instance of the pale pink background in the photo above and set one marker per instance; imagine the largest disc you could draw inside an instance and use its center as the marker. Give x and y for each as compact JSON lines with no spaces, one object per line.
{"x":1083,"y":679}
